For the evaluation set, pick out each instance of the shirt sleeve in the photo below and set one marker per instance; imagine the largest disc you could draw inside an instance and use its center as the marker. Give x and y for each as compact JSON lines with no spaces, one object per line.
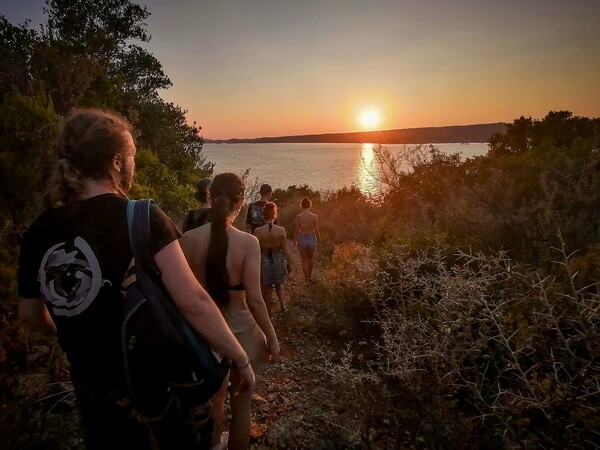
{"x":163,"y":229}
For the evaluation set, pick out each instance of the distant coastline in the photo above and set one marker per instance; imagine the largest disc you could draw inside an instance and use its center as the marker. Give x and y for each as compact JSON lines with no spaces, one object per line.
{"x":430,"y":135}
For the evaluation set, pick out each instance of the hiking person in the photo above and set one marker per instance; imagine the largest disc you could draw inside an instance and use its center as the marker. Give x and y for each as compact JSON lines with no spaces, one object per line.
{"x":73,"y":260}
{"x":275,"y":259}
{"x":306,"y":237}
{"x":197,"y":217}
{"x":227,"y":263}
{"x":254,"y":216}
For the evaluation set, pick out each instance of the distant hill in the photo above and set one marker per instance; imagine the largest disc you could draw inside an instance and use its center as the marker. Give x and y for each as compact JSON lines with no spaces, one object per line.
{"x":433,"y":135}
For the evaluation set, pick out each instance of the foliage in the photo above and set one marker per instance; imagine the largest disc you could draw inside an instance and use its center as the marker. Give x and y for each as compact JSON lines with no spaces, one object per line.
{"x":293,"y":194}
{"x":349,"y":272}
{"x":156,"y":180}
{"x":86,"y":55}
{"x":558,"y":129}
{"x":517,"y":350}
{"x":28,"y":129}
{"x":346,"y":216}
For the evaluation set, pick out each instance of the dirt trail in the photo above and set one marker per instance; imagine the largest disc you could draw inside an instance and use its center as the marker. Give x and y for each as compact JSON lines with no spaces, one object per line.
{"x":296,"y":404}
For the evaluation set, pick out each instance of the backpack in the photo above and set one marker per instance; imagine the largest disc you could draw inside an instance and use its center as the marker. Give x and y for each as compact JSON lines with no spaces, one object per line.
{"x":256,"y":215}
{"x":163,"y":355}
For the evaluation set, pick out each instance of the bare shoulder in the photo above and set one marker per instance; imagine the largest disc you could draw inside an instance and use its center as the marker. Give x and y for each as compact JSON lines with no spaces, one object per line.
{"x":195,"y":235}
{"x":243,"y":238}
{"x":281,"y":230}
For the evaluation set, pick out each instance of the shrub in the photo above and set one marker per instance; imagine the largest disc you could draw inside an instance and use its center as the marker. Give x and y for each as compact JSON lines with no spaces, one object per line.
{"x":485,"y":347}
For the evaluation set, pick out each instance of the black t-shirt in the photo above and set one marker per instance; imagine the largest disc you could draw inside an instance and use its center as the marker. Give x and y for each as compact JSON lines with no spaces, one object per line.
{"x":254,"y":217}
{"x":75,"y":257}
{"x":196,"y":218}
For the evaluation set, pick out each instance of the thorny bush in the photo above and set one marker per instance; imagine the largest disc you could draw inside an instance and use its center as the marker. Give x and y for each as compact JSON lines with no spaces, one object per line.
{"x":508,"y":354}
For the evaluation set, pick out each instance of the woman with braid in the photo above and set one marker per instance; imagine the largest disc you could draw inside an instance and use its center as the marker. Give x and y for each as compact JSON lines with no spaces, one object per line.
{"x":226,"y":261}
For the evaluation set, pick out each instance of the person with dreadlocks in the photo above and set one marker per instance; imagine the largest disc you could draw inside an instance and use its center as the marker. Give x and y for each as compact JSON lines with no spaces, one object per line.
{"x":73,"y":259}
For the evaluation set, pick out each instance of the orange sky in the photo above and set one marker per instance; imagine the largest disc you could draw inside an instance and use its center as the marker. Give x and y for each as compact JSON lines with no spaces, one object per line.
{"x":283,"y":67}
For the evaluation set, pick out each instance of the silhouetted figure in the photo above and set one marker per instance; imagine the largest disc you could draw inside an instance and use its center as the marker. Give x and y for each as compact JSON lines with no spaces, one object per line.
{"x":198,"y":217}
{"x":306,"y":237}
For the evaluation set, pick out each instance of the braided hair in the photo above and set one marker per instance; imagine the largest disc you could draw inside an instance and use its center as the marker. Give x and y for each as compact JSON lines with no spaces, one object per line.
{"x":226,"y":190}
{"x":88,"y":141}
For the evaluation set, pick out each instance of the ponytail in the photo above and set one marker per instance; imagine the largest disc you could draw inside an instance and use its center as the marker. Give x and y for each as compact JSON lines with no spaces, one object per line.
{"x":217,"y":278}
{"x":226,"y":190}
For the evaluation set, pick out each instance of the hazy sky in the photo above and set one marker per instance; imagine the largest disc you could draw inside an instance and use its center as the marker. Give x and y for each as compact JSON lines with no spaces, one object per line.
{"x":251,"y":68}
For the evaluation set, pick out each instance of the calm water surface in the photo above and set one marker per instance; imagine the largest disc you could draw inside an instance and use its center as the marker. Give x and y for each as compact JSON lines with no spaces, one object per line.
{"x":321,"y":166}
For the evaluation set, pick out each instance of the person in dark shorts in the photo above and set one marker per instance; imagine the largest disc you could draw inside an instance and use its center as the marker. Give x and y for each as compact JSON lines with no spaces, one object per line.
{"x":73,"y":260}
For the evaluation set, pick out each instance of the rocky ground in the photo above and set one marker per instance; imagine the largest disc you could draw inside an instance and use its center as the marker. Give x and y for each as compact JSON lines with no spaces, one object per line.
{"x":296,"y":405}
{"x":300,"y":405}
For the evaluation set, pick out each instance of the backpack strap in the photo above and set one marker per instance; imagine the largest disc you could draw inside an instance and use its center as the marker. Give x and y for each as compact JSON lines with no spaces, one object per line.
{"x":138,"y":221}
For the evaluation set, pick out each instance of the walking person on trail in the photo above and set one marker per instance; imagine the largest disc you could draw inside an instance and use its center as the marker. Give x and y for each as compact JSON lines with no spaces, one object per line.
{"x":73,"y":260}
{"x":227,"y":262}
{"x":254,"y":217}
{"x":198,"y":217}
{"x":275,"y":258}
{"x":306,"y":237}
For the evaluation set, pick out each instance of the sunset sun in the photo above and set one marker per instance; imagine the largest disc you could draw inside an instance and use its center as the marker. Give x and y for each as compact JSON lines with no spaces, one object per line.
{"x":369,"y":119}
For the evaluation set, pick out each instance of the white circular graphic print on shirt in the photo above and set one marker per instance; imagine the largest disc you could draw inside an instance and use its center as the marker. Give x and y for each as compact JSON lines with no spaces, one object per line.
{"x":70,"y":277}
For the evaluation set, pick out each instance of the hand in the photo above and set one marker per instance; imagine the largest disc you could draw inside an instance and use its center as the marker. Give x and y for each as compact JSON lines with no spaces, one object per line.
{"x":274,"y":350}
{"x":242,"y":380}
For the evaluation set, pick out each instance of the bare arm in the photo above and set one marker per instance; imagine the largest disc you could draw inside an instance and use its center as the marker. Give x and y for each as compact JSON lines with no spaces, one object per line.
{"x":317,"y":233}
{"x":195,"y":303}
{"x":284,"y":248}
{"x":296,"y":232}
{"x":256,"y":303}
{"x":34,"y":313}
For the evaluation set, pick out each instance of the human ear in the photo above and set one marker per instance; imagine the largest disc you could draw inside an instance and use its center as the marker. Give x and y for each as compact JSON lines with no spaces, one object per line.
{"x":117,"y":163}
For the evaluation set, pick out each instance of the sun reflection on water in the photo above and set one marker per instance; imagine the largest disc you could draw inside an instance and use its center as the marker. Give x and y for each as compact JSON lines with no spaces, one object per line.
{"x":367,"y":174}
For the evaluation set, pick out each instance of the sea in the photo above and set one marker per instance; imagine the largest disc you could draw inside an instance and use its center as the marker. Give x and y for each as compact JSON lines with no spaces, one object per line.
{"x":323,"y":167}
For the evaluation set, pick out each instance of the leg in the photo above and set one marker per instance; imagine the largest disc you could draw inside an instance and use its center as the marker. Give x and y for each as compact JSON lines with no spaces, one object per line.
{"x":279,"y":292}
{"x":218,"y":409}
{"x":306,"y":265}
{"x":267,"y":291}
{"x":310,"y":253}
{"x":239,"y":430}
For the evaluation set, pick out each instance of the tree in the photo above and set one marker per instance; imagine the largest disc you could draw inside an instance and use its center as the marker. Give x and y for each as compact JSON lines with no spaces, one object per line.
{"x":85,"y":55}
{"x":557,"y":129}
